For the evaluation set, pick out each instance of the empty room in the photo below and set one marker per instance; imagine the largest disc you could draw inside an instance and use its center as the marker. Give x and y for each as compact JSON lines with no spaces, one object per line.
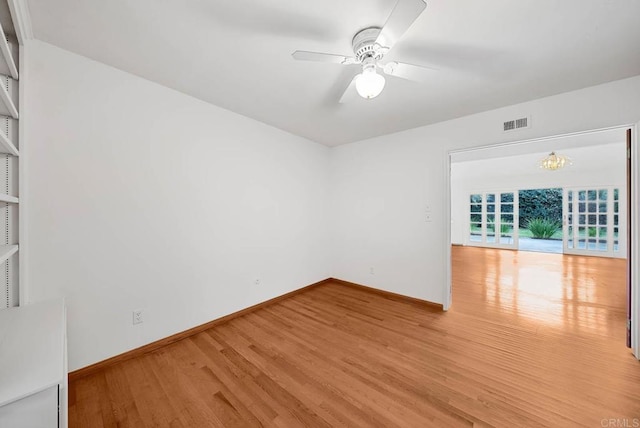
{"x":389,"y":213}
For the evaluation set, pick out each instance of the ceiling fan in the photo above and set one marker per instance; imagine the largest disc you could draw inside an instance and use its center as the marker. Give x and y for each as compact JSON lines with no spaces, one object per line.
{"x":370,"y":45}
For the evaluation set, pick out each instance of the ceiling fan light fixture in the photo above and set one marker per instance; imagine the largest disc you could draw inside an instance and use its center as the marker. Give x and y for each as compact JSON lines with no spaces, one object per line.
{"x":369,"y":84}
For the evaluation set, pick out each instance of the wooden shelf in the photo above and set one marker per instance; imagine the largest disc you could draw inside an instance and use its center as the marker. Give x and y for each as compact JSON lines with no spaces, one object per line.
{"x":7,"y":62}
{"x":7,"y":251}
{"x":6,"y":146}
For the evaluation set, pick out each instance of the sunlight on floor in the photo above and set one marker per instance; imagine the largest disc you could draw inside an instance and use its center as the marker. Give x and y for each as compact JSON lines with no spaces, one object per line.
{"x":579,"y":293}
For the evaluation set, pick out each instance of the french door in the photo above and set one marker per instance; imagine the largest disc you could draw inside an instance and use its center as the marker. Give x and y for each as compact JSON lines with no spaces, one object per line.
{"x":592,"y":223}
{"x":493,"y":219}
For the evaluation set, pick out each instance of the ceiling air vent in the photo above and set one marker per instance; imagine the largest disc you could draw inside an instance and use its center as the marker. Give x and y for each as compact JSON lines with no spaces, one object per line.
{"x":512,"y":125}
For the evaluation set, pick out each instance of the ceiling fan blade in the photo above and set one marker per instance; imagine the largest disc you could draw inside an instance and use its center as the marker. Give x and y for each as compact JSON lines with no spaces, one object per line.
{"x":349,"y":93}
{"x":402,"y":16}
{"x":323,"y":57}
{"x":416,"y":73}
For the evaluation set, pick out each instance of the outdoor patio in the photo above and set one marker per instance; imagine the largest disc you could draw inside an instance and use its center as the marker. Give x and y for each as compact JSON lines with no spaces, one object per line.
{"x":540,"y":245}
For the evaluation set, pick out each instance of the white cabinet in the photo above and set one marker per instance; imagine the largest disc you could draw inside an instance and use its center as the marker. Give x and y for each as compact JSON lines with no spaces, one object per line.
{"x":33,"y":366}
{"x":39,"y":410}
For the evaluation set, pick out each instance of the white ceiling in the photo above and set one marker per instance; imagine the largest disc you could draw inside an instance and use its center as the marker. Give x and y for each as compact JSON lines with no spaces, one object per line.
{"x":237,"y":54}
{"x":588,"y":152}
{"x":543,"y":146}
{"x":584,"y":160}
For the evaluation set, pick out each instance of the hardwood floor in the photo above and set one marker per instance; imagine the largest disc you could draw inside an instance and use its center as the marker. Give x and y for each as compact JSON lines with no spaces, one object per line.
{"x":531,"y":340}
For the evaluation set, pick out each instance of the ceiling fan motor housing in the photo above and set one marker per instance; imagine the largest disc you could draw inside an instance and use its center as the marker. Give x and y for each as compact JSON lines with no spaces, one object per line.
{"x":370,"y":45}
{"x":364,"y":44}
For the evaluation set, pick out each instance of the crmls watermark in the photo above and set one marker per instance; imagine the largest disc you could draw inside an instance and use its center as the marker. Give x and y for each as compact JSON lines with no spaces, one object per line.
{"x":620,"y":423}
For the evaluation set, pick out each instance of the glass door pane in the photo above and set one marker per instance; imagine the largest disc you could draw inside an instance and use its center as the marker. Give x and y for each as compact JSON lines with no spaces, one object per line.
{"x":475,"y":218}
{"x":591,"y":221}
{"x":582,"y":220}
{"x":506,"y":218}
{"x":492,"y":219}
{"x":569,"y":226}
{"x":600,"y":219}
{"x":616,"y":221}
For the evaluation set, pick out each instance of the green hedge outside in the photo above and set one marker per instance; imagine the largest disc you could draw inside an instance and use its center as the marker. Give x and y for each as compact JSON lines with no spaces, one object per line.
{"x":540,"y":203}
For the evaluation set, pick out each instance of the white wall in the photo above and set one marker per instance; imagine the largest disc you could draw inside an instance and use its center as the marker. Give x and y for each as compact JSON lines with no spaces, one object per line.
{"x":143,"y":198}
{"x":603,"y":165}
{"x":381,"y":187}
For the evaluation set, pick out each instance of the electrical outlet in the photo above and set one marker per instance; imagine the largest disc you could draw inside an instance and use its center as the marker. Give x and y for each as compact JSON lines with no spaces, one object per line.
{"x":137,"y":316}
{"x":257,"y":281}
{"x":428,"y":218}
{"x":372,"y":271}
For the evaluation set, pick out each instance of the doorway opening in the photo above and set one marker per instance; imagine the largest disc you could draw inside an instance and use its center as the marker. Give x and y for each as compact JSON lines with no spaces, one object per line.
{"x":594,"y":211}
{"x":540,"y":220}
{"x":525,"y":220}
{"x":501,"y":198}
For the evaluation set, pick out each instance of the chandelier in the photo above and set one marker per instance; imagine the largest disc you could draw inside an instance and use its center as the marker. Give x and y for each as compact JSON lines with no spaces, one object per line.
{"x":554,"y":161}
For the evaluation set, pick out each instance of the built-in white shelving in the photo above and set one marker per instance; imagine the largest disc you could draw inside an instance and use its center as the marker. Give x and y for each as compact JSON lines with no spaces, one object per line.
{"x":8,"y":68}
{"x":7,"y":251}
{"x":7,"y":62}
{"x":33,"y":360}
{"x":10,"y":163}
{"x":6,"y":146}
{"x":9,"y":198}
{"x":7,"y":107}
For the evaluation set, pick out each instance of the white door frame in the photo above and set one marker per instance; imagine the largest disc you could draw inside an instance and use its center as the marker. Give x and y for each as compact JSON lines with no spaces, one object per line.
{"x":635,"y":220}
{"x":635,"y":239}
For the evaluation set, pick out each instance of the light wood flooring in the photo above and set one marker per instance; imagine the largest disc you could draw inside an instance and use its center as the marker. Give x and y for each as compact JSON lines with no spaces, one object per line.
{"x":531,"y":340}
